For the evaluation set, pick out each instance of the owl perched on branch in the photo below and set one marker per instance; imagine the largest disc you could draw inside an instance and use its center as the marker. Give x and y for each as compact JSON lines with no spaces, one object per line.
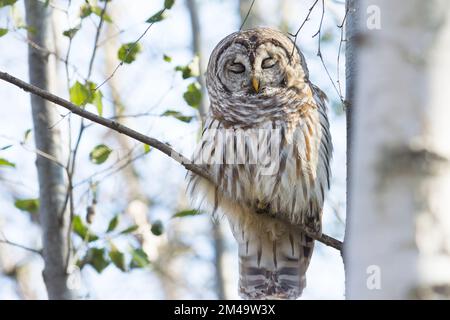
{"x":266,"y":141}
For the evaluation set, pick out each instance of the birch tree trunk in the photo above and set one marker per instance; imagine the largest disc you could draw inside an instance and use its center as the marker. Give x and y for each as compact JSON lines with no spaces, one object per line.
{"x":352,"y":23}
{"x":398,"y":241}
{"x":53,"y":218}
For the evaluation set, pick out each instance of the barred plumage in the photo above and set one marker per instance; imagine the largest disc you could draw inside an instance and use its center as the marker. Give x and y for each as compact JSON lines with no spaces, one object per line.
{"x":280,"y":117}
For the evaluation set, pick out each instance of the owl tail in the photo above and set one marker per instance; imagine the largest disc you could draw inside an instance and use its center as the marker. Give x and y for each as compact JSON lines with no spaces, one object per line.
{"x":271,"y":269}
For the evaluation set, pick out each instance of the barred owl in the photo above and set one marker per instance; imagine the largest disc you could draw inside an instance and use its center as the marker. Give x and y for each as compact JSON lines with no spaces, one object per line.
{"x":266,"y":142}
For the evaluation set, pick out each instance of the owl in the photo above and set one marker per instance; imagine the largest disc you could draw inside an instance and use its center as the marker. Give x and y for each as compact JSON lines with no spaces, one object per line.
{"x":267,"y":144}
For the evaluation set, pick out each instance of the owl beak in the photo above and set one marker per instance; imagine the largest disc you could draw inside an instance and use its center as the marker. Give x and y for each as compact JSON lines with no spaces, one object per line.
{"x":255,"y":83}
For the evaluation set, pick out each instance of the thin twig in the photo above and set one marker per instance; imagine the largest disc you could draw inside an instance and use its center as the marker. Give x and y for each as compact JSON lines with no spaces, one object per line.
{"x":319,"y":31}
{"x":6,"y":241}
{"x":295,"y":35}
{"x":97,"y":36}
{"x":319,"y":52}
{"x":43,"y":50}
{"x":69,"y":122}
{"x":247,"y":15}
{"x":108,"y":38}
{"x":342,"y":40}
{"x":112,"y":169}
{"x":163,"y":147}
{"x":53,"y":6}
{"x":130,"y":49}
{"x":43,"y":154}
{"x":70,"y":169}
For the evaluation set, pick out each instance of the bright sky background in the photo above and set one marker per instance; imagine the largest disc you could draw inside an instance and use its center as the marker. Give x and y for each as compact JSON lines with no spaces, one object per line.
{"x":151,"y":84}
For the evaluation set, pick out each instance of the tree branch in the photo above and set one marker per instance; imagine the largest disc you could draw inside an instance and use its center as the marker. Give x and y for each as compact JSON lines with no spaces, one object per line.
{"x":247,"y":15}
{"x":6,"y":241}
{"x":163,"y":147}
{"x":97,"y":36}
{"x":295,"y":35}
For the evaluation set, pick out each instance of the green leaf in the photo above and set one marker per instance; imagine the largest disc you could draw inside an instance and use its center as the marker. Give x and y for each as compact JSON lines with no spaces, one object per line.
{"x":90,"y":87}
{"x":193,"y":95}
{"x":26,"y":135}
{"x":117,"y":258}
{"x":70,"y":33}
{"x":186,"y":71}
{"x":29,"y":205}
{"x":177,"y":115}
{"x":157,"y":228}
{"x":97,"y":102}
{"x":166,"y":58}
{"x":156,"y":17}
{"x":4,"y":3}
{"x":3,"y":31}
{"x":190,"y":70}
{"x":81,"y":230}
{"x":30,"y":29}
{"x":79,"y":94}
{"x":128,"y":52}
{"x":146,"y":148}
{"x":94,"y":96}
{"x":85,"y":10}
{"x":78,"y":227}
{"x":129,"y":229}
{"x":186,"y":213}
{"x":113,"y":223}
{"x":98,"y":11}
{"x":96,"y":257}
{"x":6,"y":163}
{"x":168,"y":4}
{"x":139,"y":259}
{"x":100,"y":154}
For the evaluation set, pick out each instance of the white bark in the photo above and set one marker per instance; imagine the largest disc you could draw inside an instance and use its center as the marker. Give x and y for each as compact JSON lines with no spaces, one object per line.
{"x":399,"y":220}
{"x":48,"y":140}
{"x":352,"y":22}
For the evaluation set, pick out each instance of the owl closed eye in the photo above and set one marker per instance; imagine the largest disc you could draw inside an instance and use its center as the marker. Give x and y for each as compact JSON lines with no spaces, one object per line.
{"x":258,"y":83}
{"x":253,"y":65}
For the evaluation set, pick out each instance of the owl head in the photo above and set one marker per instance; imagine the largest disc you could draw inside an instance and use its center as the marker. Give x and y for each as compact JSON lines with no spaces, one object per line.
{"x":256,"y":62}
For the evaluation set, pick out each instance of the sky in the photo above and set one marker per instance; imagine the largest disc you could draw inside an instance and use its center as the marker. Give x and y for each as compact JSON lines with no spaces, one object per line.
{"x":151,"y":85}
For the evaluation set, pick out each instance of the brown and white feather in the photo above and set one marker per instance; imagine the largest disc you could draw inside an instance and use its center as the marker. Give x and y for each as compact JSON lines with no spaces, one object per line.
{"x":273,"y":255}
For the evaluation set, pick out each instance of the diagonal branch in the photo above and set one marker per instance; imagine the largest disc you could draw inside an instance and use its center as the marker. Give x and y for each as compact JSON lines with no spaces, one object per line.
{"x":295,"y":35}
{"x":247,"y":15}
{"x":18,"y":245}
{"x":161,"y":146}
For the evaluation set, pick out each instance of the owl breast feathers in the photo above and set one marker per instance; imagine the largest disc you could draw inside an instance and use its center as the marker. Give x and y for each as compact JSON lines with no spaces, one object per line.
{"x":266,"y":141}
